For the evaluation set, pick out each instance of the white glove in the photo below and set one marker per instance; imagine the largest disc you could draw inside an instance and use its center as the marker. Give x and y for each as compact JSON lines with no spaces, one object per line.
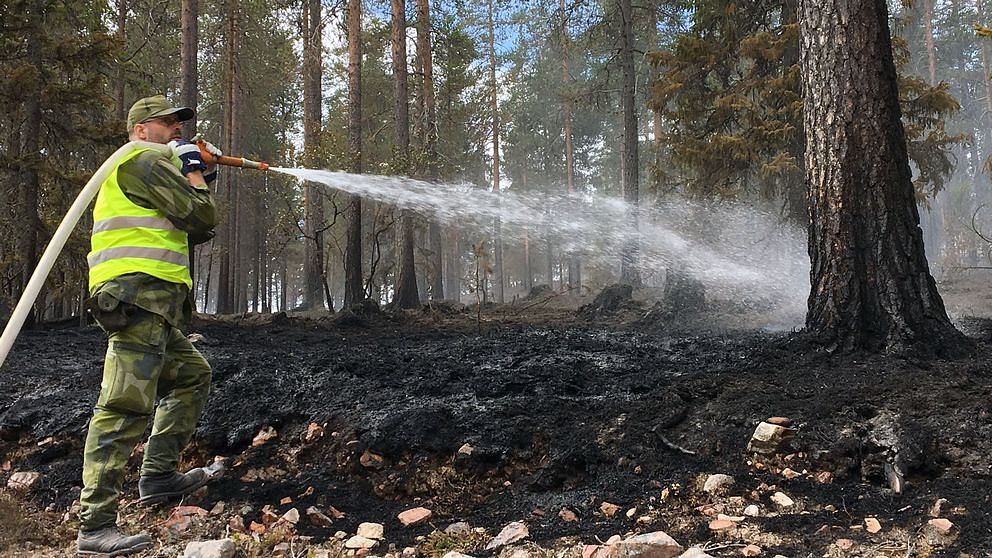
{"x":211,"y":148}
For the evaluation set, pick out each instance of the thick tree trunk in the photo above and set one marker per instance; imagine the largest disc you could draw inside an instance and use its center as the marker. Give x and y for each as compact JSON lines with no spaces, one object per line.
{"x":629,"y":273}
{"x":189,"y":78}
{"x":354,"y":290}
{"x":30,"y":181}
{"x":314,"y":279}
{"x":406,"y":278}
{"x":871,"y":288}
{"x":188,"y":88}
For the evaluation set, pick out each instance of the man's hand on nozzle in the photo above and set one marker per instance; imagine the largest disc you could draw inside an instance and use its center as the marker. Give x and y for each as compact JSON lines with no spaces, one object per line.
{"x":215,"y":153}
{"x":188,"y":155}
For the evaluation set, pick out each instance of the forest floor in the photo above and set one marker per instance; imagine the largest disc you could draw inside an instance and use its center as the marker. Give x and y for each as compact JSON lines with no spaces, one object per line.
{"x":576,"y":423}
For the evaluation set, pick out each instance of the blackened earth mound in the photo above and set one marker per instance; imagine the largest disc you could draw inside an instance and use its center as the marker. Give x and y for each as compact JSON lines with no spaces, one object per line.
{"x":524,"y":420}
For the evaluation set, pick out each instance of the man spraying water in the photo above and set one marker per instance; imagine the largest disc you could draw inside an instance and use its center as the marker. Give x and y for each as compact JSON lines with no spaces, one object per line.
{"x":149,"y":209}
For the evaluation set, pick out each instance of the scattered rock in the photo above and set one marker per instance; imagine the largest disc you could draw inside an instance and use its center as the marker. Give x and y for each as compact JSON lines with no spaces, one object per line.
{"x":409,"y":551}
{"x":286,"y":500}
{"x":722,"y":525}
{"x":218,"y":508}
{"x":695,"y":552}
{"x":779,"y":421}
{"x":716,"y":484}
{"x":751,"y":550}
{"x":269,"y":515}
{"x":781,"y":500}
{"x":648,"y":545}
{"x":513,"y":532}
{"x":314,"y":432}
{"x":608,"y":509}
{"x":264,"y":435}
{"x":935,"y":508}
{"x":844,"y":544}
{"x":371,"y":460}
{"x":292,"y":516}
{"x":257,"y":528}
{"x":769,"y":438}
{"x":223,"y":548}
{"x":466,"y":450}
{"x":335,"y":513}
{"x":454,"y":554}
{"x":23,"y":480}
{"x":371,"y":531}
{"x":734,"y":518}
{"x":359,"y":541}
{"x":567,"y":515}
{"x":789,"y":473}
{"x":872,"y":525}
{"x":941,"y":525}
{"x":752,"y":511}
{"x":824,"y":477}
{"x":459,"y":528}
{"x":414,"y":516}
{"x":317,"y":517}
{"x":237,"y":524}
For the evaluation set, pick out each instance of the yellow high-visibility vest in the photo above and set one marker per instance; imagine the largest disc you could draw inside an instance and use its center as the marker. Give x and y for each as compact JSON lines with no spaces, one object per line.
{"x":128,"y":238}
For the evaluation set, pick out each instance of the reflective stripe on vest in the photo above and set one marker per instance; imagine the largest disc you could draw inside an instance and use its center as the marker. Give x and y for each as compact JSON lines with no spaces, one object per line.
{"x":128,"y":238}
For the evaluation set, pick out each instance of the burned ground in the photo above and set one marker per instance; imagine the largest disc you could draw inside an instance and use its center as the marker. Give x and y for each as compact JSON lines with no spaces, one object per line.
{"x":562,"y":410}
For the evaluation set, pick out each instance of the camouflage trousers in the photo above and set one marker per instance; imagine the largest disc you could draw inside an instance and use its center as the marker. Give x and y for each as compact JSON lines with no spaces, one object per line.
{"x":146,"y":360}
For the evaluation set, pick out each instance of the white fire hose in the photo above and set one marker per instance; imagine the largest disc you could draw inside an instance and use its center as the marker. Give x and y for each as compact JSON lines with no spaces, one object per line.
{"x":58,"y":241}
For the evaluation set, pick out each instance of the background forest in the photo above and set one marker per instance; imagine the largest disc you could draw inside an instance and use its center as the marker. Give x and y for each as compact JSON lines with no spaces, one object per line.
{"x":646,"y":101}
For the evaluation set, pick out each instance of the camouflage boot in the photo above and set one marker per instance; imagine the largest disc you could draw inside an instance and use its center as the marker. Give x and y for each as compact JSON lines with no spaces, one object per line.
{"x":110,"y":542}
{"x":157,"y":489}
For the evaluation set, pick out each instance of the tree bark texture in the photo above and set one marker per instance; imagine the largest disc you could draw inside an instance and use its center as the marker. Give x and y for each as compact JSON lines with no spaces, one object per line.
{"x":871,"y":287}
{"x":120,"y":81}
{"x":494,"y":107}
{"x":574,"y":274}
{"x":425,"y":55}
{"x":189,"y":77}
{"x":629,"y":273}
{"x":313,"y":210}
{"x":30,"y":181}
{"x":406,"y":277}
{"x":354,"y":290}
{"x":188,"y":89}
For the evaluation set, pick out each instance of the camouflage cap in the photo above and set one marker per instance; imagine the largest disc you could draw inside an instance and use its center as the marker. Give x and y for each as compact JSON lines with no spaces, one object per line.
{"x":155,"y":107}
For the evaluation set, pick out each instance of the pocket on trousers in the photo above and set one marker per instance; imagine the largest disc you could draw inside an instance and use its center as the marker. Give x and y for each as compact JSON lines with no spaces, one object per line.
{"x":132,"y":368}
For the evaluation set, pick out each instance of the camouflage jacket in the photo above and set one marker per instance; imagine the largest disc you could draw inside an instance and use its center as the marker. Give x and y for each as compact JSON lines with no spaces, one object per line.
{"x":152,"y":181}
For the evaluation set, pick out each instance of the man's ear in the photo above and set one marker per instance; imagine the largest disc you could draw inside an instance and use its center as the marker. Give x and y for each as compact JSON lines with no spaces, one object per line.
{"x":139,"y":132}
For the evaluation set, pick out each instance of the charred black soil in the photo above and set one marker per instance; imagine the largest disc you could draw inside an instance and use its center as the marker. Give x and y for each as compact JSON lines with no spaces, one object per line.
{"x":520,"y":419}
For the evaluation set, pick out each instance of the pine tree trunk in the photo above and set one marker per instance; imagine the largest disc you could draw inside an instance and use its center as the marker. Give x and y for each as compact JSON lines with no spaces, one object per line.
{"x":406,"y":278}
{"x":425,"y":56}
{"x":354,"y":290}
{"x":313,"y":212}
{"x":30,"y":181}
{"x":120,"y":82}
{"x":629,"y":273}
{"x":188,"y":88}
{"x":189,"y":77}
{"x":227,"y":234}
{"x":871,"y":288}
{"x":574,"y":274}
{"x":494,"y":107}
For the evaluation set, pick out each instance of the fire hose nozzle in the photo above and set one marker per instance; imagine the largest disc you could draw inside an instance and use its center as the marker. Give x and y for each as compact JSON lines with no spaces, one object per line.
{"x":210,"y":159}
